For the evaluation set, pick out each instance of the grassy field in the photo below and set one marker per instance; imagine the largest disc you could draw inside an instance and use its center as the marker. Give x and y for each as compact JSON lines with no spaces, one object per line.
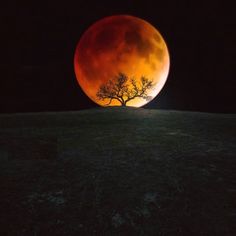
{"x":118,"y":171}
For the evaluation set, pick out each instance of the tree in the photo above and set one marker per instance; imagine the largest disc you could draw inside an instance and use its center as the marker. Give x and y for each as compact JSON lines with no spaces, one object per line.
{"x":124,"y":89}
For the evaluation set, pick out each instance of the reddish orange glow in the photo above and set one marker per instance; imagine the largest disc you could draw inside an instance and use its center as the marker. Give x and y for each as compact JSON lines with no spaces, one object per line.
{"x":124,"y":44}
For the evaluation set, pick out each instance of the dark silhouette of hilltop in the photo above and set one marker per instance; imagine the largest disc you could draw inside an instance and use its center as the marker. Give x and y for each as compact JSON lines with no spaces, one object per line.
{"x":117,"y":171}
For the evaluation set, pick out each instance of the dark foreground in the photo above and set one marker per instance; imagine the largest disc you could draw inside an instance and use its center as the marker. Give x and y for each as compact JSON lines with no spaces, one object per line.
{"x":118,"y":171}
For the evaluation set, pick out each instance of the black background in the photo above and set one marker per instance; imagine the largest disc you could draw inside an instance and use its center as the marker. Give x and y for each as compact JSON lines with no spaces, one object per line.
{"x":38,"y":43}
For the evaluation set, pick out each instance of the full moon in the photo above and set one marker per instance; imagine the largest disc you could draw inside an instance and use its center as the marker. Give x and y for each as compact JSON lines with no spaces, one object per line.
{"x":121,"y":44}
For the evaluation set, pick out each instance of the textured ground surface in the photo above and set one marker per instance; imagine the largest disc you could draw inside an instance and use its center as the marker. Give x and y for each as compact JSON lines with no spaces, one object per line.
{"x":117,"y":171}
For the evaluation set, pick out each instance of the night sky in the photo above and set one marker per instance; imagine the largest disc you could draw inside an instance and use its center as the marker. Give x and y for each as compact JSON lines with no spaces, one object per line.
{"x":38,"y":44}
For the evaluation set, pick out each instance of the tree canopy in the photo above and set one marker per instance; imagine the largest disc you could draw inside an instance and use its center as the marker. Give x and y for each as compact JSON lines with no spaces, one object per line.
{"x":124,"y":89}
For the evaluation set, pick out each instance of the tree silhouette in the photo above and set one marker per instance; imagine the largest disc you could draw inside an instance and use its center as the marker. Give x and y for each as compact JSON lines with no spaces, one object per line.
{"x":124,"y":89}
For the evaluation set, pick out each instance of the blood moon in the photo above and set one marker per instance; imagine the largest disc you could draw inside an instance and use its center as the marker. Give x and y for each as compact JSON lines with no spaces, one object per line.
{"x":125,"y":44}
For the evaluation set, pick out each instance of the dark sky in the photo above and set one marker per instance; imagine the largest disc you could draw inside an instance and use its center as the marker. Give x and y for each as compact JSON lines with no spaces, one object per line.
{"x":38,"y":43}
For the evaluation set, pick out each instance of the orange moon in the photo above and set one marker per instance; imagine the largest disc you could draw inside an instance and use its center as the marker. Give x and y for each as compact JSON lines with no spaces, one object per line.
{"x":125,"y":44}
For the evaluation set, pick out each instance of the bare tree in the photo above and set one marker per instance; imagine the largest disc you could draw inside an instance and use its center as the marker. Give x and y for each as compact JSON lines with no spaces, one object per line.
{"x":124,"y":89}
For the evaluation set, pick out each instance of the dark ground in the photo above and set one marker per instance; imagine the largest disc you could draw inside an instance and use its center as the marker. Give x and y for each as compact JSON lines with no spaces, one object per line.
{"x":118,"y":171}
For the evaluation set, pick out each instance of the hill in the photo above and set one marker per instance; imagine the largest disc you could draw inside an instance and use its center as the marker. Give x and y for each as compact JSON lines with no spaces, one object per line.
{"x":117,"y":171}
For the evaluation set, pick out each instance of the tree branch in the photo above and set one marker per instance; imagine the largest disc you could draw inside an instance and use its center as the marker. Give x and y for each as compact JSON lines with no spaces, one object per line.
{"x":119,"y":89}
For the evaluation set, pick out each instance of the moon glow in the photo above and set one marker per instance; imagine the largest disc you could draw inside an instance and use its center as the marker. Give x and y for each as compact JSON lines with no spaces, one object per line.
{"x":124,"y":44}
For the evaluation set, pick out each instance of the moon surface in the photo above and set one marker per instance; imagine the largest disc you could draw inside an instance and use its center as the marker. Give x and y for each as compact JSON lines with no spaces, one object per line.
{"x":123,"y":44}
